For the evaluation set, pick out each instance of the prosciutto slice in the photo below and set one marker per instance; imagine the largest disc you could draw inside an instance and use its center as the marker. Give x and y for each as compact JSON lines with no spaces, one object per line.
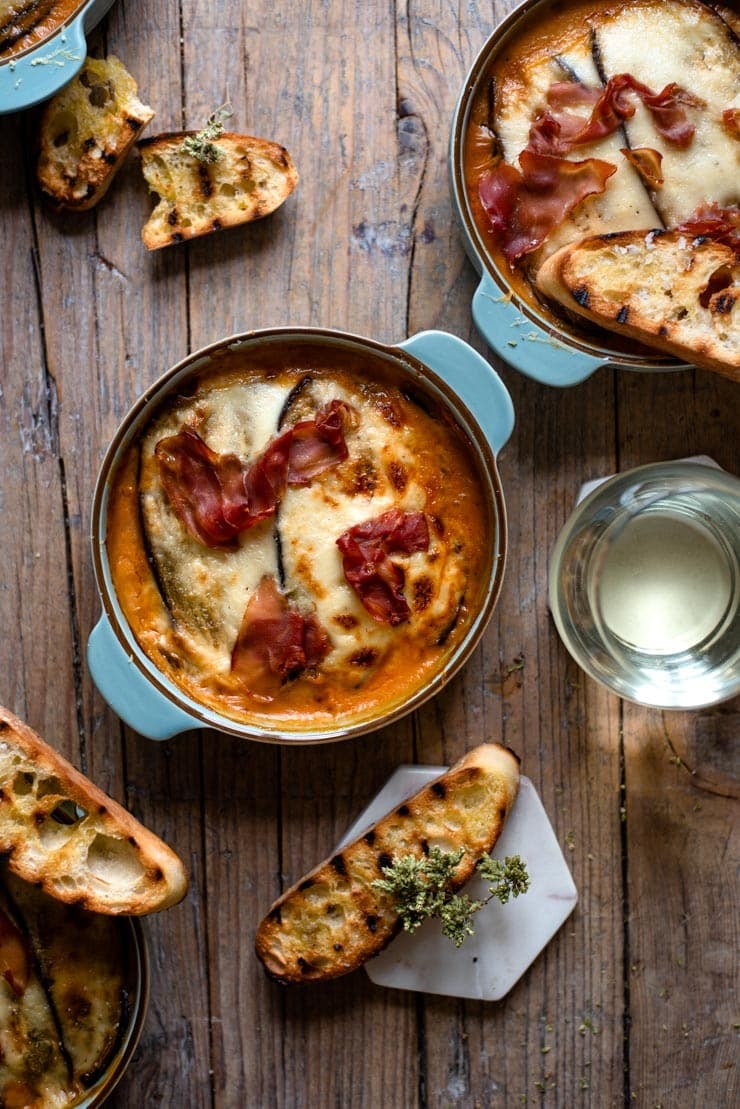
{"x":368,"y":568}
{"x":218,"y":496}
{"x":715,"y":222}
{"x":648,"y":163}
{"x":525,"y":205}
{"x":560,"y":133}
{"x":275,"y":640}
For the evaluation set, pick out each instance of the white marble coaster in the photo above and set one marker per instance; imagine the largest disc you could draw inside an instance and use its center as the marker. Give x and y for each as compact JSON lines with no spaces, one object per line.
{"x":508,"y":938}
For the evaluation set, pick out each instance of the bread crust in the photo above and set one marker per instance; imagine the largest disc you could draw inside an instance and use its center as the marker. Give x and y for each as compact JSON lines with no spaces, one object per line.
{"x":103,"y":860}
{"x":86,"y":133}
{"x":333,"y":920}
{"x":250,"y":179}
{"x":666,"y":289}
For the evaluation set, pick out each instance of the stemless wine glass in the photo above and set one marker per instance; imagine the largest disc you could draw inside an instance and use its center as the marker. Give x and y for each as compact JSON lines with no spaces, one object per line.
{"x":645,"y":585}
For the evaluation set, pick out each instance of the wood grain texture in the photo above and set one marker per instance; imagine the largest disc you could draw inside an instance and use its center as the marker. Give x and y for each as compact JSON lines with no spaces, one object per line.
{"x":631,"y":1002}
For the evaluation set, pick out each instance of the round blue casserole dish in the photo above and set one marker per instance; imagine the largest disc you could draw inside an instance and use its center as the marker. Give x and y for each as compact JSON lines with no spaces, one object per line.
{"x":445,"y":368}
{"x":549,"y":349}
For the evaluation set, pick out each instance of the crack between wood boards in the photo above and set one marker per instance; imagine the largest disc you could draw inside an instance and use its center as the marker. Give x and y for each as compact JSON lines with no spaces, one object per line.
{"x":421,"y":1053}
{"x":282,"y":995}
{"x":422,"y":175}
{"x":183,"y":115}
{"x":52,"y":416}
{"x":626,"y":948}
{"x":205,"y":914}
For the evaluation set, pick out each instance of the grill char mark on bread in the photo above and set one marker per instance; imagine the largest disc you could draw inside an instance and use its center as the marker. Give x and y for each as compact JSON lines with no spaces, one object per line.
{"x":103,"y":859}
{"x":87,"y":131}
{"x":250,"y":179}
{"x":334,"y":920}
{"x":669,"y":291}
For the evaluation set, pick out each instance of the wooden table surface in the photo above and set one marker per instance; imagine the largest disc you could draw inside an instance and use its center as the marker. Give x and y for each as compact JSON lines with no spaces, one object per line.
{"x":632,"y":1002}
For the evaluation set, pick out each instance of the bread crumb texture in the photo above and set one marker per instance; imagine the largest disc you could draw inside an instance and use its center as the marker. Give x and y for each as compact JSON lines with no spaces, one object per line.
{"x":61,"y":832}
{"x":335,"y":919}
{"x":249,"y":179}
{"x":87,"y":130}
{"x":667,"y":289}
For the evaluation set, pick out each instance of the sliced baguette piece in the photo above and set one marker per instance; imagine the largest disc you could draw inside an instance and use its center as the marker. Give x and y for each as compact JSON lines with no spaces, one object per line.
{"x":249,"y":179}
{"x":664,"y":288}
{"x":64,"y":834}
{"x":86,"y":131}
{"x":334,"y":920}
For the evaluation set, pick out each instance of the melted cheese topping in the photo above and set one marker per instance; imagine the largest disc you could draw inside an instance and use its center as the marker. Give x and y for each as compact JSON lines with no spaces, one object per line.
{"x":521,"y":97}
{"x":78,"y":996}
{"x":697,"y":53}
{"x":187,"y":612}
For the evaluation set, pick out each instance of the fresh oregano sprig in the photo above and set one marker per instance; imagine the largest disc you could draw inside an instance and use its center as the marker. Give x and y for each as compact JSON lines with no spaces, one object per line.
{"x":420,"y":889}
{"x":201,"y":145}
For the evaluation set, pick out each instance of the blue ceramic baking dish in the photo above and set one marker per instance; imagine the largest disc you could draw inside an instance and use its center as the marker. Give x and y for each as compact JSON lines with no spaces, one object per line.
{"x":37,"y":73}
{"x":457,"y":380}
{"x":552,"y":351}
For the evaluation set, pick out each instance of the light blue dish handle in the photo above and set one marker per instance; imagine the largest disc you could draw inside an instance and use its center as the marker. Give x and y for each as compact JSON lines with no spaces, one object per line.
{"x":526,"y":346}
{"x":37,"y":74}
{"x":129,"y":693}
{"x":473,"y":379}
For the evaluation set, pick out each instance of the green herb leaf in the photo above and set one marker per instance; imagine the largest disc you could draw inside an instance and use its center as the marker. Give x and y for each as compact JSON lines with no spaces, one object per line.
{"x":422,"y":888}
{"x":201,"y":145}
{"x":505,"y":879}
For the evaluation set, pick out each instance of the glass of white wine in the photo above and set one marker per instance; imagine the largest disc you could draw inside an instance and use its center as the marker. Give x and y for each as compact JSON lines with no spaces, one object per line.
{"x":645,"y":584}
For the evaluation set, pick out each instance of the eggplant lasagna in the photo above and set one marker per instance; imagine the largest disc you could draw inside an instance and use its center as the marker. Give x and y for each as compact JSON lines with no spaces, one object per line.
{"x":64,"y":992}
{"x":610,"y":116}
{"x":299,"y":545}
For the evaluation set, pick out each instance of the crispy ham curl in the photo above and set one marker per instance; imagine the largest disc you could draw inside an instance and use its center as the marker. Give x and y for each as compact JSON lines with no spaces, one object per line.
{"x":218,"y":496}
{"x":713,"y":222}
{"x":731,"y":121}
{"x":648,"y":163}
{"x":276,"y":641}
{"x":611,"y":106}
{"x":368,"y":568}
{"x":525,"y":205}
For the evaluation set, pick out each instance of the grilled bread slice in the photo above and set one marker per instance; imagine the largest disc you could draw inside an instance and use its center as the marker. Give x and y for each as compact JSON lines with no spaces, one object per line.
{"x":334,"y":919}
{"x":246,"y":178}
{"x":87,"y":130}
{"x":64,"y":834}
{"x":664,"y":288}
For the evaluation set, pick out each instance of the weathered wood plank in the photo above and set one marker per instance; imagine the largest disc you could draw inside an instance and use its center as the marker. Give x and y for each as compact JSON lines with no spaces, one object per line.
{"x":639,"y":977}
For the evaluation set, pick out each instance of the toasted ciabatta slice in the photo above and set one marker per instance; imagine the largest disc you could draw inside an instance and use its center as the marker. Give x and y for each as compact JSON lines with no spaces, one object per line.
{"x":87,"y":130}
{"x":79,"y":845}
{"x":246,"y":179}
{"x":334,"y":919}
{"x":664,"y":288}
